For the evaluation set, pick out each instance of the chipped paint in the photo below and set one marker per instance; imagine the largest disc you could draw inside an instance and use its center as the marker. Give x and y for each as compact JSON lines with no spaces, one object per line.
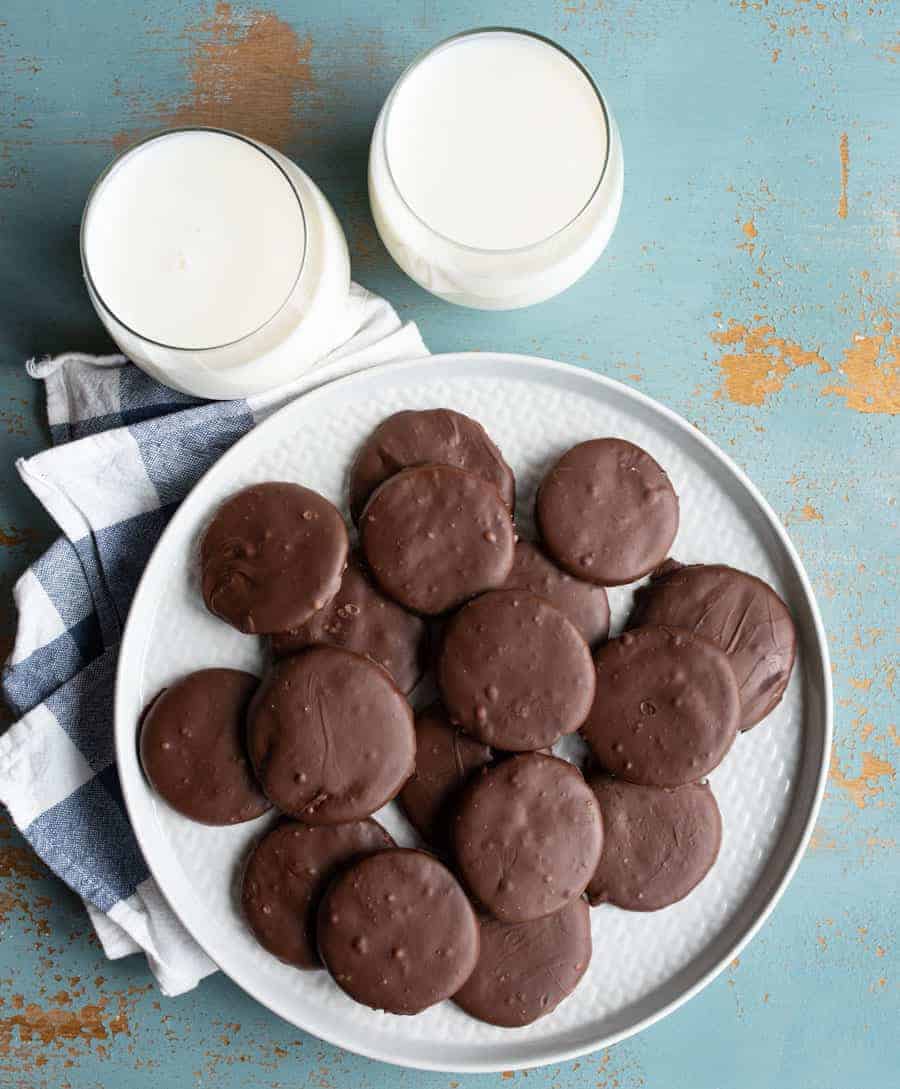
{"x":872,"y":384}
{"x":247,"y":70}
{"x":844,"y":155}
{"x":756,"y":362}
{"x":20,"y":862}
{"x":34,"y":1023}
{"x":864,"y":787}
{"x":14,"y":537}
{"x":759,"y":361}
{"x":809,"y":513}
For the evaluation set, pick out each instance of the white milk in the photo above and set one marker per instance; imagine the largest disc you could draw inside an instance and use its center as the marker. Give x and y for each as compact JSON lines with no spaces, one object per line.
{"x":495,"y":172}
{"x":215,"y":263}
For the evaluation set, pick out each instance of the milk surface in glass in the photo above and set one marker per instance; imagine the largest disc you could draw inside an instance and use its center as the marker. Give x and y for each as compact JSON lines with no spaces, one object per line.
{"x":496,"y":170}
{"x":215,"y":263}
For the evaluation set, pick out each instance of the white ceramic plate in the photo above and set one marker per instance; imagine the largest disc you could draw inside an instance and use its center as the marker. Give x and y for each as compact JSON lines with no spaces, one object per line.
{"x":768,"y":788}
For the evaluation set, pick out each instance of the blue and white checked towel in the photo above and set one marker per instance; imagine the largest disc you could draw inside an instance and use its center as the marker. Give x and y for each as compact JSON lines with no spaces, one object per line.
{"x":126,"y":451}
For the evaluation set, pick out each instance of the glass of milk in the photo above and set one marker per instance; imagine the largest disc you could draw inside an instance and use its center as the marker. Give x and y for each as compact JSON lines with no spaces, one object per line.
{"x":495,"y":171}
{"x":215,"y":263}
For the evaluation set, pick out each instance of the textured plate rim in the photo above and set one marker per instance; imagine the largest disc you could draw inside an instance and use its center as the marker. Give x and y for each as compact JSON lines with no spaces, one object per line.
{"x":483,"y":365}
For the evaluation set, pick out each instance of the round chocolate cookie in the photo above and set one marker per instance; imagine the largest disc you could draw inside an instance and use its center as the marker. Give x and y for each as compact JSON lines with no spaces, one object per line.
{"x":667,"y":707}
{"x":659,"y":844}
{"x":435,"y":436}
{"x":525,"y":970}
{"x":271,"y":557}
{"x":287,"y":874}
{"x":192,"y":747}
{"x":607,"y":512}
{"x":514,"y":671}
{"x":435,"y":536}
{"x":360,"y":618}
{"x":739,"y":613}
{"x":330,"y":736}
{"x":585,"y":604}
{"x":528,"y":836}
{"x":397,"y":932}
{"x":445,"y":760}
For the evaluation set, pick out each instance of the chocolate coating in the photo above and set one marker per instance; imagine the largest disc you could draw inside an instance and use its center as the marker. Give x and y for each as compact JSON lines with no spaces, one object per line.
{"x":739,"y":613}
{"x":330,"y":736}
{"x":525,"y":970}
{"x":435,"y":536}
{"x":437,"y":436}
{"x":667,"y":707}
{"x":514,"y":672}
{"x":192,"y":747}
{"x":272,"y":556}
{"x":659,"y":844}
{"x":397,"y":932}
{"x":287,"y":874}
{"x":445,"y":761}
{"x":528,"y":836}
{"x":585,"y":604}
{"x":360,"y":618}
{"x":607,"y":512}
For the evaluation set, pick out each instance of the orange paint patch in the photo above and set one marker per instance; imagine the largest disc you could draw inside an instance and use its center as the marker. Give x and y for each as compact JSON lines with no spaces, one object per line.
{"x":762,"y":364}
{"x":862,"y":788}
{"x":776,"y":53}
{"x":872,"y":384}
{"x":809,"y":513}
{"x":34,"y":1024}
{"x":844,"y":154}
{"x":862,"y":684}
{"x":20,"y":862}
{"x":818,"y":841}
{"x":749,"y":229}
{"x":248,"y":71}
{"x":13,"y":537}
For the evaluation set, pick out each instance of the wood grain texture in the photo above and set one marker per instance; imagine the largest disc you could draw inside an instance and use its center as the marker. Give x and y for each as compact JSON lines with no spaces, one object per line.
{"x":750,"y":286}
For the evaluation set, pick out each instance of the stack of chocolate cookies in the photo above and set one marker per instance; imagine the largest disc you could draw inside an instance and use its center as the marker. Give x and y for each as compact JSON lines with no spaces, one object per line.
{"x":492,"y":907}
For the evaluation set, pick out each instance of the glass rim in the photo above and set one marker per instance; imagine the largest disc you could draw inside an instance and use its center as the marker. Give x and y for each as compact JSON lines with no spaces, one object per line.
{"x":417,"y":61}
{"x":101,"y":179}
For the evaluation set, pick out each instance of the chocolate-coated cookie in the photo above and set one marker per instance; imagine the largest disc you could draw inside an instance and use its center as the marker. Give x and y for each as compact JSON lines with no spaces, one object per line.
{"x":272,"y":556}
{"x":330,"y":736}
{"x":435,"y":536}
{"x":584,"y":603}
{"x":445,"y":761}
{"x":659,"y":844}
{"x":528,"y":836}
{"x":397,"y":931}
{"x":192,"y":747}
{"x":437,"y":436}
{"x":667,"y":707}
{"x":515,"y":672}
{"x":607,"y":512}
{"x":739,"y":613}
{"x":525,"y":970}
{"x":287,"y":874}
{"x":360,"y":618}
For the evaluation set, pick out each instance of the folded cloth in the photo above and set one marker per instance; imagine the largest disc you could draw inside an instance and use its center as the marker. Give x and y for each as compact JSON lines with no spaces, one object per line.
{"x":126,"y":451}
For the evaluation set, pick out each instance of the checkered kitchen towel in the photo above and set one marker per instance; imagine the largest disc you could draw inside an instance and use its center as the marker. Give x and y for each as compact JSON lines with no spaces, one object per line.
{"x":126,"y":451}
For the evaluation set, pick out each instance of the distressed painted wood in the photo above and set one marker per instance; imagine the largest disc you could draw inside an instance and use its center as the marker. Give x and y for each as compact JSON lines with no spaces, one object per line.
{"x":749,"y":286}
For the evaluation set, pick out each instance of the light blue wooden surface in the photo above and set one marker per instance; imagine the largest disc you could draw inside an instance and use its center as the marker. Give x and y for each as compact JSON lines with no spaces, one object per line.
{"x":748,"y":286}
